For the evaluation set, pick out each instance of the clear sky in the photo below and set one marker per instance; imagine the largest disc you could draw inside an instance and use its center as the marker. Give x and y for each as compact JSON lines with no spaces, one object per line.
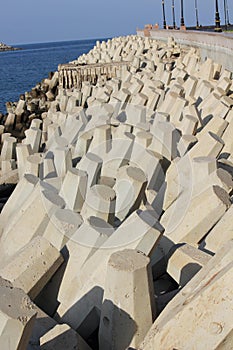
{"x":29,"y":21}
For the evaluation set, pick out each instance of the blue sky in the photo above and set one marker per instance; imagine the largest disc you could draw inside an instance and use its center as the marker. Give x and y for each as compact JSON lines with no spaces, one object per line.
{"x":29,"y":21}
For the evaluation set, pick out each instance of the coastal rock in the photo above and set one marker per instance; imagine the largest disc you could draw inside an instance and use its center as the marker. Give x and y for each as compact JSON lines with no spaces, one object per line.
{"x":4,"y":47}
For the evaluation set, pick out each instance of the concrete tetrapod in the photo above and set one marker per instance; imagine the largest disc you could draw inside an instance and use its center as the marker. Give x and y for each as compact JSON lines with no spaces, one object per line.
{"x":165,"y":138}
{"x":33,"y":138}
{"x":185,"y":174}
{"x":128,"y":304}
{"x":81,"y":246}
{"x":62,"y":160}
{"x":33,"y":164}
{"x":33,"y":266}
{"x":100,"y":202}
{"x":22,"y":153}
{"x":8,"y":148}
{"x":184,"y":261}
{"x":227,"y":139}
{"x":82,"y":144}
{"x":48,"y":169}
{"x":42,"y":202}
{"x":22,"y":191}
{"x":91,"y":164}
{"x":221,"y":232}
{"x":62,"y":225}
{"x":62,"y":337}
{"x":198,"y":217}
{"x":195,"y":102}
{"x":130,"y":190}
{"x":86,"y":290}
{"x":101,"y":138}
{"x":17,"y":317}
{"x":118,"y":156}
{"x":195,"y":323}
{"x":73,"y":189}
{"x":44,"y":328}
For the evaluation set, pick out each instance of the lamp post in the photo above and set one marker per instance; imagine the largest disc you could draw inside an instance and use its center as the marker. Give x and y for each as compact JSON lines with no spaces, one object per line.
{"x":225,"y":13}
{"x":173,"y":14}
{"x":164,"y":16}
{"x":182,"y":13}
{"x":196,"y":10}
{"x":217,"y":18}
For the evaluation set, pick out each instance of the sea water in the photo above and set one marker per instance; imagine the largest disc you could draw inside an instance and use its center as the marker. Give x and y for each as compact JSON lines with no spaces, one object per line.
{"x":21,"y":70}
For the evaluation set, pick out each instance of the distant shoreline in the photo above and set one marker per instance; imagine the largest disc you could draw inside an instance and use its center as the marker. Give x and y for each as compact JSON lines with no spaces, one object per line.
{"x":4,"y":47}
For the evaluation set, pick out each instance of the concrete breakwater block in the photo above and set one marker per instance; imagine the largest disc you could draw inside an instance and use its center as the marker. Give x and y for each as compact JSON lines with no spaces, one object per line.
{"x":220,"y":233}
{"x":123,"y":322}
{"x":184,"y":261}
{"x":130,"y":190}
{"x":190,"y":311}
{"x":17,"y":317}
{"x":198,"y":217}
{"x":43,"y":203}
{"x":62,"y":337}
{"x":21,"y":192}
{"x":25,"y":326}
{"x":32,"y":267}
{"x":62,"y":225}
{"x":124,"y":177}
{"x":100,"y":202}
{"x":73,"y":189}
{"x":90,"y":277}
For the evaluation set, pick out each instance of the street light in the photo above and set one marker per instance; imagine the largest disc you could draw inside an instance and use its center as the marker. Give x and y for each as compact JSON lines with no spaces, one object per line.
{"x":182,"y":13}
{"x":217,"y":18}
{"x":173,"y":14}
{"x":164,"y":16}
{"x":225,"y":13}
{"x":196,"y":10}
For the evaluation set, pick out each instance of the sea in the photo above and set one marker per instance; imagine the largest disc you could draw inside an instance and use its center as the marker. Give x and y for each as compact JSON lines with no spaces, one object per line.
{"x":21,"y":70}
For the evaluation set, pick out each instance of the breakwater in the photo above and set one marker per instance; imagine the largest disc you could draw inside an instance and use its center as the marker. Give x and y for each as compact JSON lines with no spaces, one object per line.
{"x":119,"y":231}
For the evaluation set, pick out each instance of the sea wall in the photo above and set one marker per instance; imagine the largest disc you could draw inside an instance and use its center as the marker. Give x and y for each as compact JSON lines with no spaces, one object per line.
{"x":216,"y":46}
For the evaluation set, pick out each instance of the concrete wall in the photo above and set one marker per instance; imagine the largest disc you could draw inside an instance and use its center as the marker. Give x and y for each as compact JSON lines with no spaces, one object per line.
{"x":217,"y":46}
{"x":72,"y":75}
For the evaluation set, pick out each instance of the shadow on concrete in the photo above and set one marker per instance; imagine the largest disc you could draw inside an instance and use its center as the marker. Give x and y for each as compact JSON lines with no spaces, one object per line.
{"x":47,"y":299}
{"x":65,"y":341}
{"x":88,"y":308}
{"x":116,"y":324}
{"x":5,"y":192}
{"x":188,"y":272}
{"x":159,"y":258}
{"x":117,"y":327}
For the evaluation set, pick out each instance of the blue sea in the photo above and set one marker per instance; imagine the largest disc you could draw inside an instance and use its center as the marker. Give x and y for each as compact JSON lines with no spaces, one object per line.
{"x":21,"y":70}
